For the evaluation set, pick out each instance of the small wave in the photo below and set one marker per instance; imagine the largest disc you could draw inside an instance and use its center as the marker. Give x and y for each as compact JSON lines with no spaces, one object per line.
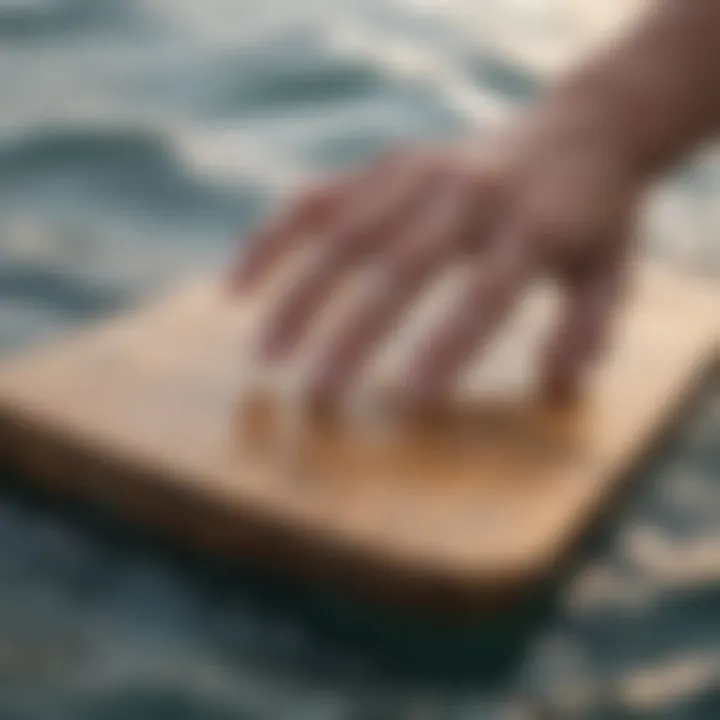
{"x":417,"y":64}
{"x":284,"y":75}
{"x":135,"y":170}
{"x":501,"y":75}
{"x":311,"y":83}
{"x":40,"y":19}
{"x":355,"y":133}
{"x":65,"y":292}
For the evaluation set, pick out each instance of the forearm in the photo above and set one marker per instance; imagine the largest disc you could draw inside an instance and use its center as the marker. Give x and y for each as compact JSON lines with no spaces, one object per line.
{"x":655,"y":90}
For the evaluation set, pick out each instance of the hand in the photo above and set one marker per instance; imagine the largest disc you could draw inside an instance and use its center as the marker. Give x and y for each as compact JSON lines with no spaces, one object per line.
{"x":550,"y":193}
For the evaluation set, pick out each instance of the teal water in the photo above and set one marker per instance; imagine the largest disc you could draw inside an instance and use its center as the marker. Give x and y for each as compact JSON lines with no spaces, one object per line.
{"x":139,"y":139}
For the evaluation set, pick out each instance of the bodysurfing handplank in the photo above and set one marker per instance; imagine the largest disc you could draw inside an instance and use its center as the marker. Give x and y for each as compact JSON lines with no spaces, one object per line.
{"x":145,"y":412}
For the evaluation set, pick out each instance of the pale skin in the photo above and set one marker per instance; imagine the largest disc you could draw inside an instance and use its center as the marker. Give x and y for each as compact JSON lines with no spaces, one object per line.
{"x":555,"y":191}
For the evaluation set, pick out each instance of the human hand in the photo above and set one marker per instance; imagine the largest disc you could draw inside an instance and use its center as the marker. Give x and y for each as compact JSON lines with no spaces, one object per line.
{"x":548,"y":194}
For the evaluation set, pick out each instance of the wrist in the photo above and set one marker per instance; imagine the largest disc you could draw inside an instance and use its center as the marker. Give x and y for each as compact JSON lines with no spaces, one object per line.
{"x":645,"y":99}
{"x":600,"y":112}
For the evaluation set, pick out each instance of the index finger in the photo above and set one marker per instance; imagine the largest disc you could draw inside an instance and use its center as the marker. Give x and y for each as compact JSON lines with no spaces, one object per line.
{"x":270,"y":243}
{"x":301,"y":220}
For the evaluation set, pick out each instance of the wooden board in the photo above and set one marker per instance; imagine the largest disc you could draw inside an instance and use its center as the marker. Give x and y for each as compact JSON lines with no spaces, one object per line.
{"x":144,"y":413}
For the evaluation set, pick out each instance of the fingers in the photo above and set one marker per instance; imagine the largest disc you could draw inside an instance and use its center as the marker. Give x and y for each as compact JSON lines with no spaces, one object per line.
{"x":301,"y":220}
{"x":581,"y":333}
{"x":368,"y":226}
{"x":491,"y":292}
{"x":268,"y":246}
{"x":423,"y":246}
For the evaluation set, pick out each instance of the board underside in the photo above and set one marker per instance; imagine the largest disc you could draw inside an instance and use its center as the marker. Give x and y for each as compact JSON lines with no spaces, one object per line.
{"x":145,"y":413}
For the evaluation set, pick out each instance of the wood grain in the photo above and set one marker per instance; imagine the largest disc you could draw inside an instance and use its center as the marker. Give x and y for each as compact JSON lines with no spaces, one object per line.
{"x":146,"y":413}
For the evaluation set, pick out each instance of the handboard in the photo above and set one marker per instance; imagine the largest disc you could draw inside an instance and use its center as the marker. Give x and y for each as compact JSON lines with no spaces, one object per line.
{"x":145,"y":412}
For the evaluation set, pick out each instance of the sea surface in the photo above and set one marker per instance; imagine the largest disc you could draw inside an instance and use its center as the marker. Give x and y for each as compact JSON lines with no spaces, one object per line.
{"x":139,"y":141}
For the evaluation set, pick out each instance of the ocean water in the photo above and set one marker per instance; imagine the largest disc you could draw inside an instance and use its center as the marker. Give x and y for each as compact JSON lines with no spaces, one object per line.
{"x":139,"y":141}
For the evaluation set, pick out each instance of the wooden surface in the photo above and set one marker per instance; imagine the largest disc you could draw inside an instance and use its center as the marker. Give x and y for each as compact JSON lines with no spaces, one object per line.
{"x":146,"y":413}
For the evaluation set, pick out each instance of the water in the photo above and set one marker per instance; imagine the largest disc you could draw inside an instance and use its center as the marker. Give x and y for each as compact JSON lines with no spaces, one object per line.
{"x":139,"y":139}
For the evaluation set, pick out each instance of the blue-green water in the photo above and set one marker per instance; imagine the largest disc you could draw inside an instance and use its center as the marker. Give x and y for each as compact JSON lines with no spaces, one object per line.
{"x":138,"y":140}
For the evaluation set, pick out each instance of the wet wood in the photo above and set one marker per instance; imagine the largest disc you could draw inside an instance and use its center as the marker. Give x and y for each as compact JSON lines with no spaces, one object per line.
{"x":147,"y":413}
